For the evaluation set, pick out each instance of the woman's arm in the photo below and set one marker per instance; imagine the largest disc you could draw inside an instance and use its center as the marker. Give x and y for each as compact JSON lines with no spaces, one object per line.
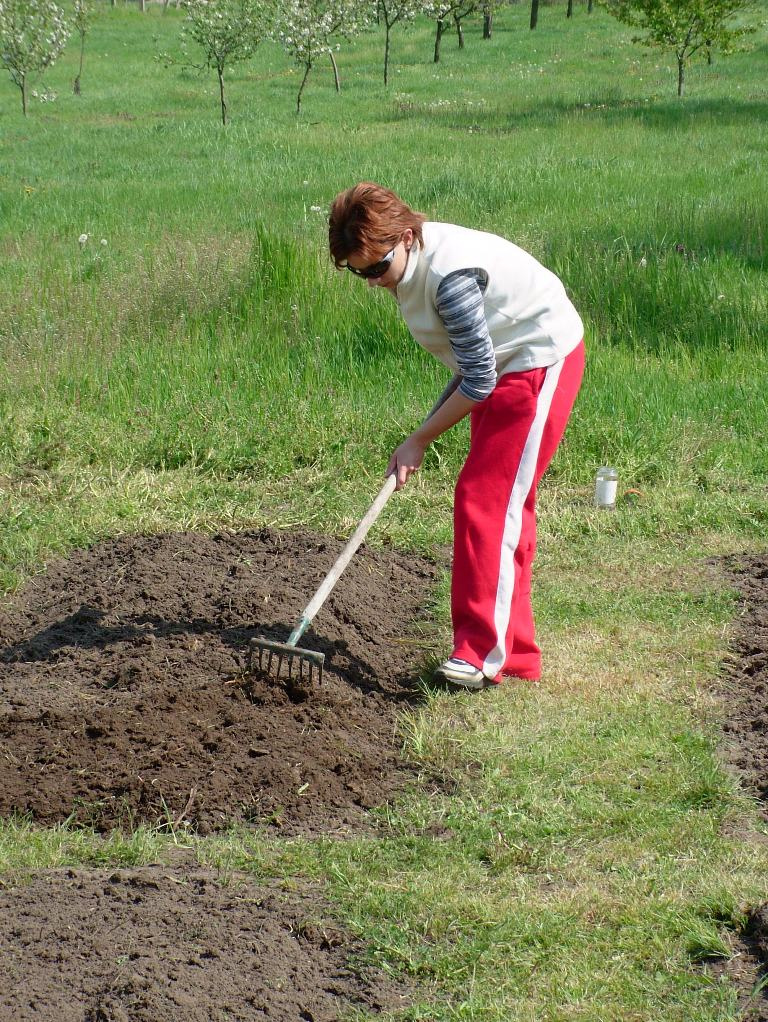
{"x":460,"y":307}
{"x":449,"y":389}
{"x":407,"y":458}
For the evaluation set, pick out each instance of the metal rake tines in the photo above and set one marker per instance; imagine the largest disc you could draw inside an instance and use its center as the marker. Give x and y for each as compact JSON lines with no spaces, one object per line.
{"x":298,"y":666}
{"x":308,"y":671}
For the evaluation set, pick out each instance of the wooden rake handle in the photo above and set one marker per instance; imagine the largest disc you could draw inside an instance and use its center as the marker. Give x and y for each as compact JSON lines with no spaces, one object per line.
{"x":344,"y":558}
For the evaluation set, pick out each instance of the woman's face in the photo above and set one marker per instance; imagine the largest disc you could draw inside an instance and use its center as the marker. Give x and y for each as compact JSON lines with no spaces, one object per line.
{"x":392,"y":276}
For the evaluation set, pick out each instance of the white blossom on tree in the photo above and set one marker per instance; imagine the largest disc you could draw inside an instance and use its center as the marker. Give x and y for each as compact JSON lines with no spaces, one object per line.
{"x":227,"y":31}
{"x":33,"y":34}
{"x":307,"y":28}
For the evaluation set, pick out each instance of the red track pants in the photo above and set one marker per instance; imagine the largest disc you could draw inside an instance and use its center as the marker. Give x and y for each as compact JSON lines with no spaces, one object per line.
{"x":514,"y":434}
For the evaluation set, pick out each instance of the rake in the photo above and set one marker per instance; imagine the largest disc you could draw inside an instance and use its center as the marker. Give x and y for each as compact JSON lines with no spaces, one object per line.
{"x":308,"y":663}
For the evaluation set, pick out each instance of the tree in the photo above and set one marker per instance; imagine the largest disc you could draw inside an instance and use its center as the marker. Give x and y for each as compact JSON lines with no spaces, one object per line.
{"x":33,"y":33}
{"x":683,"y":26}
{"x":489,"y":9}
{"x":227,"y":31}
{"x":84,"y":13}
{"x":441,"y":11}
{"x":460,"y":12}
{"x":534,"y":13}
{"x":306,"y":28}
{"x":390,"y":12}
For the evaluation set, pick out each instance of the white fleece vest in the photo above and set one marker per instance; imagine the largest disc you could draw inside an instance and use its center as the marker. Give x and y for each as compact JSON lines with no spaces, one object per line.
{"x":530,"y":318}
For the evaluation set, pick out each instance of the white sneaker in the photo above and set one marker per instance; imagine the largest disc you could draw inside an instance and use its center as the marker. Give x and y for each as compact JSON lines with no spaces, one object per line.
{"x":462,"y":675}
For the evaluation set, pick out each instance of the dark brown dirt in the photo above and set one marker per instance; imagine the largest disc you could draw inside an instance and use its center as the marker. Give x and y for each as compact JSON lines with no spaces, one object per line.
{"x":174,"y":945}
{"x":746,"y":682}
{"x":744,"y":706}
{"x":124,"y":695}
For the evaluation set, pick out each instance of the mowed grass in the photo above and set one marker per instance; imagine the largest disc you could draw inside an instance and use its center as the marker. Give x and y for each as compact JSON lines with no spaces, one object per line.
{"x":207,"y":367}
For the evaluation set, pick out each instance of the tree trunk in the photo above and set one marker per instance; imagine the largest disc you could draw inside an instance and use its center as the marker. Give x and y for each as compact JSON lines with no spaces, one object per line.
{"x":24,"y":94}
{"x":590,"y":5}
{"x":438,"y":40}
{"x":307,"y":69}
{"x":386,"y":53}
{"x":487,"y":22}
{"x":76,"y":86}
{"x":534,"y":13}
{"x":569,"y":11}
{"x":220,"y":72}
{"x":143,"y":6}
{"x":336,"y":81}
{"x":680,"y":75}
{"x":459,"y":32}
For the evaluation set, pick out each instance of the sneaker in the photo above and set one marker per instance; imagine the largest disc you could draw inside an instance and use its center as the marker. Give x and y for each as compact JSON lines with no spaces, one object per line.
{"x":460,"y":674}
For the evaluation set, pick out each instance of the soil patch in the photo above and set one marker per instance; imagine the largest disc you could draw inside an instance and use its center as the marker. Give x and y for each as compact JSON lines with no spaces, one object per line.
{"x":745,"y":714}
{"x":746,"y":968}
{"x":160,"y":944}
{"x":745,"y":703}
{"x":124,"y":694}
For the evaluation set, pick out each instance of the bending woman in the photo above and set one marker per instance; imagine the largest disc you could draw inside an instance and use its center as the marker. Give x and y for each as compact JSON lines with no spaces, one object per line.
{"x":505,"y":326}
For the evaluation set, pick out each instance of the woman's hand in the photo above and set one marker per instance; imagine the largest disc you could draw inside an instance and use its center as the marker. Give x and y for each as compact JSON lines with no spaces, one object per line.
{"x":406,"y":459}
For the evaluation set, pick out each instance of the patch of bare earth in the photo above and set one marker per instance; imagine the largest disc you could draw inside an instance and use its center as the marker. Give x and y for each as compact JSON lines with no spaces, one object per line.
{"x":168,"y":944}
{"x":125,"y":695}
{"x":745,"y":713}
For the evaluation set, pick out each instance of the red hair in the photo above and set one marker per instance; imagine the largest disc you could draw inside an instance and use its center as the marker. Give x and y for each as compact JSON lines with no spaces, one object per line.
{"x":369,"y":220}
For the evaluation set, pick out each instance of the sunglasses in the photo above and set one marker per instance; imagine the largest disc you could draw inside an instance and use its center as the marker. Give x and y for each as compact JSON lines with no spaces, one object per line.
{"x":375,"y":269}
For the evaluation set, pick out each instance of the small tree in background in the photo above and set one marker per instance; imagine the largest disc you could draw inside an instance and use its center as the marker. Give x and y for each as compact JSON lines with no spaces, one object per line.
{"x":227,"y":31}
{"x":307,"y":27}
{"x":84,"y":13}
{"x":489,"y":9}
{"x":682,"y":26}
{"x":33,"y":34}
{"x":461,"y":11}
{"x":441,"y":11}
{"x":391,"y":12}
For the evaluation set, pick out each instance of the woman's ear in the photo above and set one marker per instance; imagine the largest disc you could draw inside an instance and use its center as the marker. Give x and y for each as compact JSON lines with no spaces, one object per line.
{"x":408,"y":238}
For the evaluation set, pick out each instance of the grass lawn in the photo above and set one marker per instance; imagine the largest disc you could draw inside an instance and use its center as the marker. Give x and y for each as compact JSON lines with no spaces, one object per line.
{"x":204,"y":366}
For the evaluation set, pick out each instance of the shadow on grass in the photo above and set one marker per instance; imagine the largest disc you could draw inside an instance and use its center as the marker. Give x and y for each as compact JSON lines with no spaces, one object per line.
{"x":668,"y":114}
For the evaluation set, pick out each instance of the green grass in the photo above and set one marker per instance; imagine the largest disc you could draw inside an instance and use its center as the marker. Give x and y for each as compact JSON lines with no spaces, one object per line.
{"x":207,"y":367}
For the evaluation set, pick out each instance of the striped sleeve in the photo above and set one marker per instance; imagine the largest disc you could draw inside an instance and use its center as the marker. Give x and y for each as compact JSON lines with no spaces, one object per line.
{"x":459,"y":305}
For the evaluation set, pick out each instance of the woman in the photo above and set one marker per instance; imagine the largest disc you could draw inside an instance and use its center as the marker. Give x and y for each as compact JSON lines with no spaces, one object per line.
{"x":505,"y":326}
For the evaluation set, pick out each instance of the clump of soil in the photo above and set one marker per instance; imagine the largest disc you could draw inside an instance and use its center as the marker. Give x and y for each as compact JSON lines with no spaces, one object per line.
{"x":125,"y":695}
{"x":160,"y":944}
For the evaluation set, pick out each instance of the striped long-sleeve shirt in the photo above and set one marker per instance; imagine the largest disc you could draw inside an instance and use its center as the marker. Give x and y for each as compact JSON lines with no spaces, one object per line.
{"x":527,"y":314}
{"x":460,"y":307}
